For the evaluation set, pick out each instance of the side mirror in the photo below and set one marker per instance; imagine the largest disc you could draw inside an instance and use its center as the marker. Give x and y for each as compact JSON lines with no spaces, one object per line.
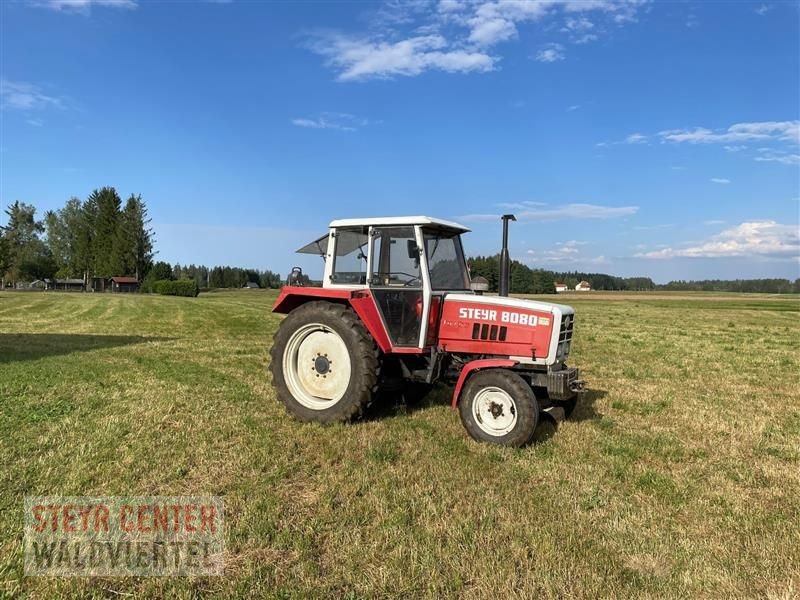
{"x":413,"y":249}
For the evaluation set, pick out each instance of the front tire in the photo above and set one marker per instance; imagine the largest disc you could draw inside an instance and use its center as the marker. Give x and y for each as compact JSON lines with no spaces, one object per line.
{"x":498,"y":406}
{"x":324,"y":363}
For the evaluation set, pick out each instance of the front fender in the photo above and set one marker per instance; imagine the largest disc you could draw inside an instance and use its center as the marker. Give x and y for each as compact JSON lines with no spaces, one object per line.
{"x":484,"y":363}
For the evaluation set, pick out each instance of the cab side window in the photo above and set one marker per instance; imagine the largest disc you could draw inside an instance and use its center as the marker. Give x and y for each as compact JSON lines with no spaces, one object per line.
{"x":350,"y":257}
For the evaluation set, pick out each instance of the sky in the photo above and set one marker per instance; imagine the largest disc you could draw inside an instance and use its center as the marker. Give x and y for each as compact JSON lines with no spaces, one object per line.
{"x":633,"y":138}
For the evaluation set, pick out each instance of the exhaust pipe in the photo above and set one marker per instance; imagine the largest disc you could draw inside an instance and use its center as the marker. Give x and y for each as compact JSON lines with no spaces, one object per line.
{"x":505,"y":263}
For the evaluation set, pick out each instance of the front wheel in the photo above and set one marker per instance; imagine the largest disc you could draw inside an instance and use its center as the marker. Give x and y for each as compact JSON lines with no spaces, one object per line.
{"x":498,"y":406}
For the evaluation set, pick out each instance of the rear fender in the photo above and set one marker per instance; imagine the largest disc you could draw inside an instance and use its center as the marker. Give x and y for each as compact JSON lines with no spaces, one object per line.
{"x":360,"y":300}
{"x":475,"y":365}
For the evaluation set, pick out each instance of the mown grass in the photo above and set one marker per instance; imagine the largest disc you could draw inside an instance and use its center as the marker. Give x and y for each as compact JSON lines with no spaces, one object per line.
{"x":678,"y":476}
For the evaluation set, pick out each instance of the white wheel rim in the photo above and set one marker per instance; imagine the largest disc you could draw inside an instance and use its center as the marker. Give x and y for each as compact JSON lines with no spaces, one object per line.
{"x":316,"y":366}
{"x":494,"y":411}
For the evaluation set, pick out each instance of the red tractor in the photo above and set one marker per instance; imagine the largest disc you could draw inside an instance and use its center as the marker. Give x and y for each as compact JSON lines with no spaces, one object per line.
{"x":396,"y":305}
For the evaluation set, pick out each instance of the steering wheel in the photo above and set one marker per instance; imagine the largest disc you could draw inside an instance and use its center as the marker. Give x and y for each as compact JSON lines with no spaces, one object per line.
{"x":411,"y":281}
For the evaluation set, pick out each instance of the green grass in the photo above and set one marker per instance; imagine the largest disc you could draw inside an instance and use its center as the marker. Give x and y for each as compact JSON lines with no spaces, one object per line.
{"x":678,"y":476}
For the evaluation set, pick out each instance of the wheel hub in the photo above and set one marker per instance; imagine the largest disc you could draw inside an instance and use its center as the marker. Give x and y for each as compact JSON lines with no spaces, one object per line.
{"x":495,"y":411}
{"x":308,"y":365}
{"x":321,"y":364}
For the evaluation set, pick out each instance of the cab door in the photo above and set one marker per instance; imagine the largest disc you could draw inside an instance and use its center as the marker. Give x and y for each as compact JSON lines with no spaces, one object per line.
{"x":397,"y":281}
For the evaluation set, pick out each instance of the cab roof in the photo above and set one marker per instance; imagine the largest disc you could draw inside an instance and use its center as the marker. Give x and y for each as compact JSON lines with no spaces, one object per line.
{"x":416,"y":220}
{"x":320,"y":245}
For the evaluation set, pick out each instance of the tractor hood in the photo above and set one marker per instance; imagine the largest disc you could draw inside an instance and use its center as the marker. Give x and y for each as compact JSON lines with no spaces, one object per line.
{"x":526,"y":330}
{"x":551,"y":307}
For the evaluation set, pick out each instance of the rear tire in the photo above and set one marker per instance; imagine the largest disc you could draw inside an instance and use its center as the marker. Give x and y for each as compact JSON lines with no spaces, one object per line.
{"x":324,"y":363}
{"x":498,"y":406}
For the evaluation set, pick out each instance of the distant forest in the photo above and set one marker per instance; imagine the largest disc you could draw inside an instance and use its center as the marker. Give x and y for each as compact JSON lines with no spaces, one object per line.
{"x":103,"y":236}
{"x":216,"y":277}
{"x":525,"y":280}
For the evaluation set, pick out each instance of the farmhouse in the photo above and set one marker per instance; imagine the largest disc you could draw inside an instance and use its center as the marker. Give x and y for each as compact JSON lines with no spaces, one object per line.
{"x":583,"y":286}
{"x":251,"y":285}
{"x":561,"y":287}
{"x":124,"y":284}
{"x":68,"y":285}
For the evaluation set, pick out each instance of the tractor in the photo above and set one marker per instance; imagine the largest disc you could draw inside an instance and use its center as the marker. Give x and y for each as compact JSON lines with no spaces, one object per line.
{"x":396,"y":304}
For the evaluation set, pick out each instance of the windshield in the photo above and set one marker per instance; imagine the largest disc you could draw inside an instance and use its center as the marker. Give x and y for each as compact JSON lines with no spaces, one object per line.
{"x":448,"y":270}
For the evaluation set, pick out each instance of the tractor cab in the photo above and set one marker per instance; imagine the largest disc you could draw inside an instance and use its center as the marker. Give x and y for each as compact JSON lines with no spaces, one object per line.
{"x":407,"y":263}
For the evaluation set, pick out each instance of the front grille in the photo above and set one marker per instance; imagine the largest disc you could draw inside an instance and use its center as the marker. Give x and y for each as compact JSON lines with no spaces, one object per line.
{"x":567,"y":325}
{"x":565,"y":336}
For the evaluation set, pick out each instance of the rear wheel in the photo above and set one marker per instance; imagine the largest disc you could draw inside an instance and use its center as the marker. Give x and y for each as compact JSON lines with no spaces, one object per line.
{"x":498,"y":406}
{"x":324,"y":363}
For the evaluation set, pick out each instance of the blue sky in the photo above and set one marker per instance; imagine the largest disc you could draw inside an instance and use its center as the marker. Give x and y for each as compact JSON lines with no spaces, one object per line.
{"x":634,"y":138}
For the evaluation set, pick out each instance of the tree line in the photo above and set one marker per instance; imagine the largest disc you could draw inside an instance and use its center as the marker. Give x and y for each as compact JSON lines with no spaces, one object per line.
{"x":215,"y":277}
{"x":525,"y":280}
{"x":522,"y":279}
{"x":769,"y":286}
{"x":102,"y":237}
{"x":96,"y":237}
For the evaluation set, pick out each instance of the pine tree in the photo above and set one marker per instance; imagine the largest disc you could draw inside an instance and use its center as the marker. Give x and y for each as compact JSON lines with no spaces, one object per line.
{"x":108,"y":254}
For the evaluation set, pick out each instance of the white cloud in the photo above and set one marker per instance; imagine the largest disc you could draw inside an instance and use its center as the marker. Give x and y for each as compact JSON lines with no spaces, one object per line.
{"x":524,"y":205}
{"x":753,"y":238}
{"x":633,"y":138}
{"x":19,"y":95}
{"x":491,"y":31}
{"x":586,"y":38}
{"x":409,"y":38}
{"x":578,"y":24}
{"x":735,"y":139}
{"x":739,"y":132}
{"x":714,"y":222}
{"x":573,"y":107}
{"x":785,"y":159}
{"x":569,"y":247}
{"x":550,"y":53}
{"x":564,"y":253}
{"x":555,"y":213}
{"x":579,"y":29}
{"x":331,"y":120}
{"x":653,"y":227}
{"x":359,"y":59}
{"x":763,"y":9}
{"x":83,"y":6}
{"x":36,"y":122}
{"x":719,"y":180}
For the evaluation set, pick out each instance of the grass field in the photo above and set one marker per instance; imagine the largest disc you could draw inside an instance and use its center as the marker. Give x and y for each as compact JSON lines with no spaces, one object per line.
{"x":679,"y":474}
